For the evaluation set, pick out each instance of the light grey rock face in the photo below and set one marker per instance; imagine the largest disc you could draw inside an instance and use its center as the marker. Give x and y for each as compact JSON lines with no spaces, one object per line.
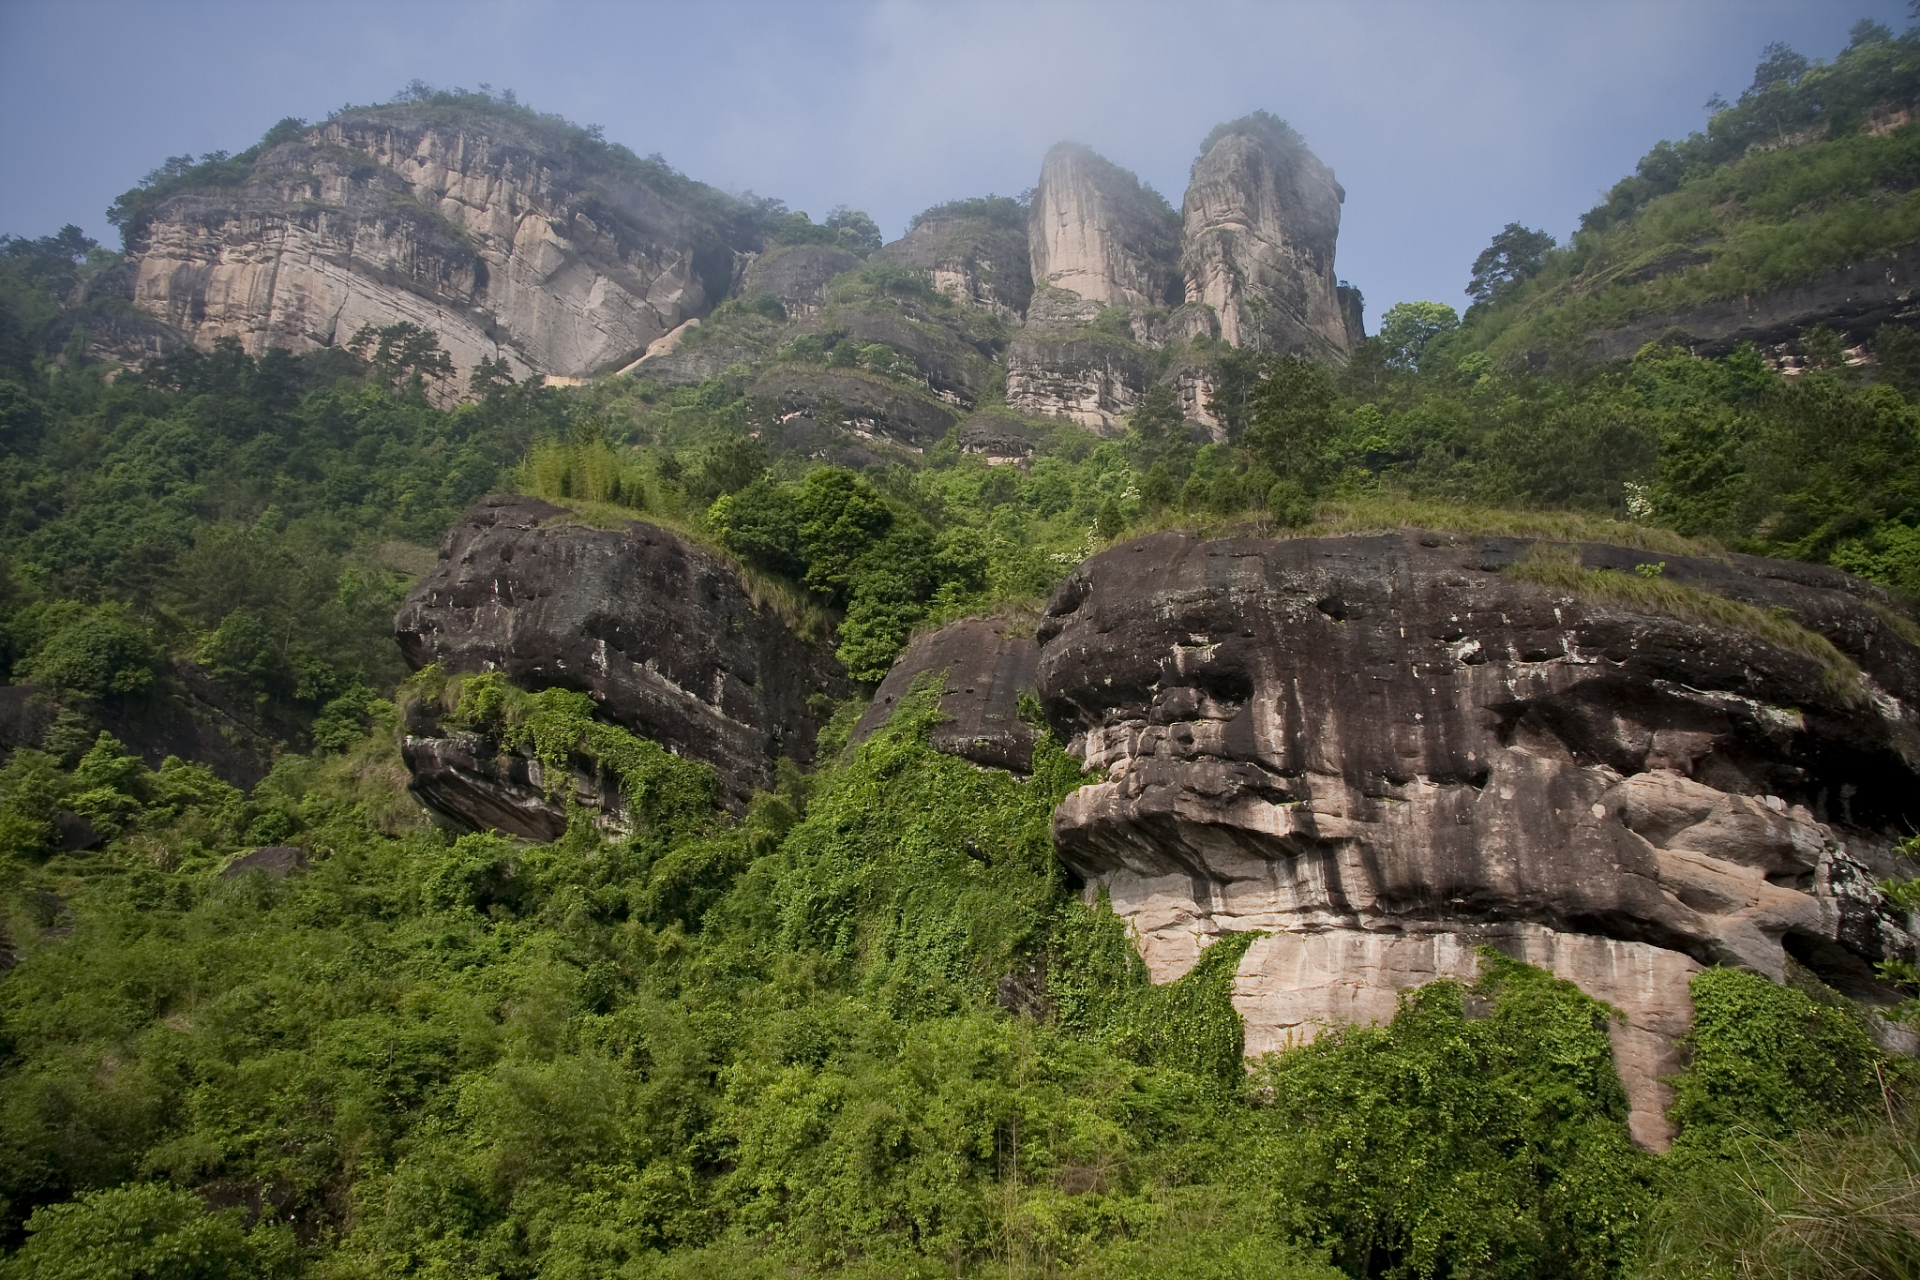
{"x":1261,"y":218}
{"x":1094,"y":229}
{"x":979,"y":258}
{"x":1385,"y":752}
{"x":476,"y":229}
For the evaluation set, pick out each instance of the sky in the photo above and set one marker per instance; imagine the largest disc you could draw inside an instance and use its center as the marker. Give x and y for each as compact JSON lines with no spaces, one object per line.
{"x":1443,"y":120}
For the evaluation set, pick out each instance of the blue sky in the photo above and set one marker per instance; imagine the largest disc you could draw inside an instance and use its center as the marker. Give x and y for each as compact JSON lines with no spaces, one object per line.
{"x":1443,"y":120}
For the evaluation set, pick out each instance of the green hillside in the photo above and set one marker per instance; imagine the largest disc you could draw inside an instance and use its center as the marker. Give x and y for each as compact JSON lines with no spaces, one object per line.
{"x":809,"y":1040}
{"x":1810,"y":171}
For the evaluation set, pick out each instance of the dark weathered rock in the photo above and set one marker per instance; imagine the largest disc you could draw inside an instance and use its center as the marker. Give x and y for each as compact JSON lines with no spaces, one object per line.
{"x":1385,"y":751}
{"x":999,"y":437}
{"x":26,"y":713}
{"x":661,"y":634}
{"x":798,"y":275}
{"x":73,"y":832}
{"x":987,"y":663}
{"x":1262,"y":215}
{"x":952,"y":369}
{"x":1353,"y":312}
{"x":869,"y":405}
{"x":1854,"y":300}
{"x":275,"y":861}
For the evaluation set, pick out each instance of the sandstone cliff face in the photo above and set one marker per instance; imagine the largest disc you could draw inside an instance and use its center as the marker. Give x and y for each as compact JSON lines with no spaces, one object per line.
{"x":798,"y":275}
{"x":1062,"y":365}
{"x":1855,"y":300}
{"x":659,"y":633}
{"x":1094,"y":229}
{"x":1386,"y":752}
{"x":1261,"y":217}
{"x":473,"y":228}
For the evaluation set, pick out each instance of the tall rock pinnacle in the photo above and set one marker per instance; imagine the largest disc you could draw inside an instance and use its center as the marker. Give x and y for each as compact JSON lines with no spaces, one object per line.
{"x":1262,"y":214}
{"x":1095,"y":229}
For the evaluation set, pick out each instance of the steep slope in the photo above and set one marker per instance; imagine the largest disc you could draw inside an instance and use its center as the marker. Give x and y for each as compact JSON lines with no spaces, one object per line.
{"x":1095,"y":229}
{"x":976,"y":250}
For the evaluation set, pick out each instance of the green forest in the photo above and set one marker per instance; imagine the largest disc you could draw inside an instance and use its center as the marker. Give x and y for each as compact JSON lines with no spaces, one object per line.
{"x":866,"y":1028}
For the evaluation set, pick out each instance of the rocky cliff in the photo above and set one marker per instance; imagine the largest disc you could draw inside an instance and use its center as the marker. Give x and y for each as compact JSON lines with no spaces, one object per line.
{"x":1261,"y":217}
{"x":1095,"y":229}
{"x":558,"y":256}
{"x":662,"y":635}
{"x":981,"y":666}
{"x":1384,"y":752}
{"x":1065,"y":363}
{"x":1121,"y":290}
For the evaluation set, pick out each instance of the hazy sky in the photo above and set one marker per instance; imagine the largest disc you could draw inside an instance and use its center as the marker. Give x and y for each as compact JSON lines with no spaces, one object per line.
{"x":1443,"y":121}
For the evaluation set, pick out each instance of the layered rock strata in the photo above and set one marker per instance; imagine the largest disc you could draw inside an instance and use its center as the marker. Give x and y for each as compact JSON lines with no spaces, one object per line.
{"x":478,"y":229}
{"x":663,"y":636}
{"x":798,"y":276}
{"x":1062,"y":365}
{"x":983,"y":666}
{"x":1261,"y":216}
{"x":1386,"y":751}
{"x":872,"y":407}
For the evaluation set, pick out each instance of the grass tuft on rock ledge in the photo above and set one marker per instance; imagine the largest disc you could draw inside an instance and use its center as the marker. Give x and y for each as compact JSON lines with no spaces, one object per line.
{"x":1557,"y":565}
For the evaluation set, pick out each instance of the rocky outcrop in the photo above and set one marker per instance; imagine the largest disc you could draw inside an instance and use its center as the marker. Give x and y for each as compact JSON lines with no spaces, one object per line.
{"x":561,"y":259}
{"x":1000,"y":438}
{"x":798,"y":275}
{"x":1353,"y":312}
{"x":973,"y":250}
{"x":1261,"y":217}
{"x":26,"y":713}
{"x":1064,"y":365}
{"x":1386,"y":751}
{"x":481,"y":784}
{"x":983,"y":665}
{"x":1855,"y":301}
{"x":662,"y":635}
{"x":869,"y":406}
{"x":1095,"y":229}
{"x":275,"y":861}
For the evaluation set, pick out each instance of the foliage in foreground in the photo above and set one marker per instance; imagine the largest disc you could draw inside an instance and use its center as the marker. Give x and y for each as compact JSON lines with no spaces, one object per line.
{"x":867,"y":1029}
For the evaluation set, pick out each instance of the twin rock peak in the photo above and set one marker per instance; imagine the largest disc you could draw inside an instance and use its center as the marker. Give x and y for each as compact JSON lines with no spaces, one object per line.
{"x":513,"y":242}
